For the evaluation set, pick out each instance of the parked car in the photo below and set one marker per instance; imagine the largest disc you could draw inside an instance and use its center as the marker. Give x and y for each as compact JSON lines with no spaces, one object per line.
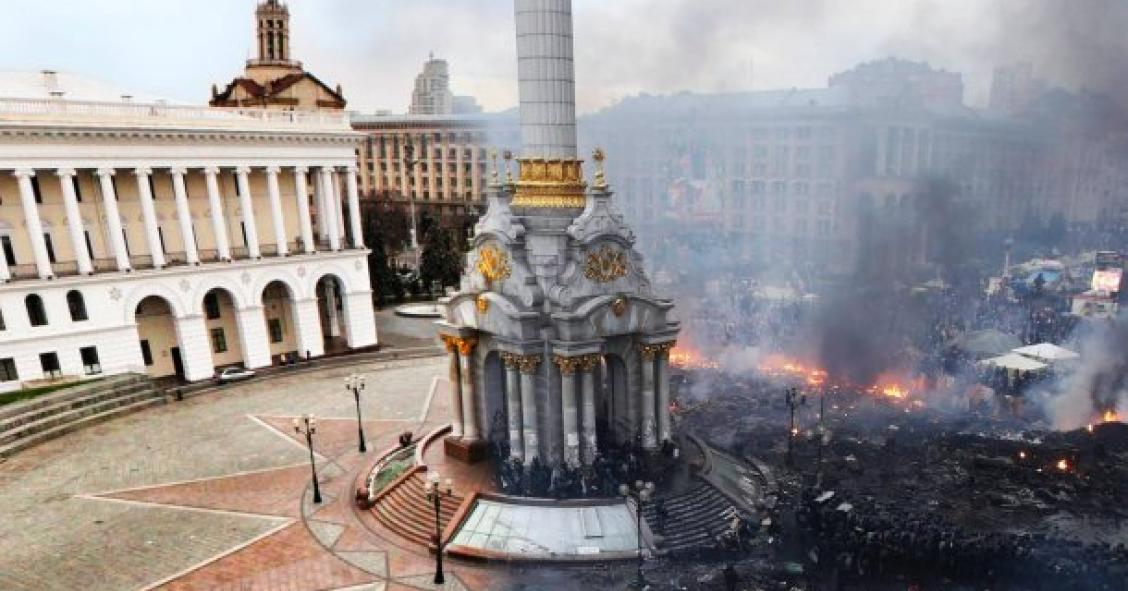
{"x":234,"y":374}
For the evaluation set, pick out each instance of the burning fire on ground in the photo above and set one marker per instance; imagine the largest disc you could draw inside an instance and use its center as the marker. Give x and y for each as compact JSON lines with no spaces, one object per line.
{"x":685,"y":358}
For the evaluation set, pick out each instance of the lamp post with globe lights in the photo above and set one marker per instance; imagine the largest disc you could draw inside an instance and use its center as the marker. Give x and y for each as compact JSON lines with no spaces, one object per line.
{"x":356,"y":383}
{"x":435,"y":489}
{"x":307,"y":426}
{"x":640,"y":493}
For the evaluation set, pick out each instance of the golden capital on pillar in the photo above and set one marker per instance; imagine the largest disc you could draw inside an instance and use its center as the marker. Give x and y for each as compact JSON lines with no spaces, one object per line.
{"x":510,"y":360}
{"x":590,"y":362}
{"x":567,"y":365}
{"x":649,"y":352}
{"x":528,"y":363}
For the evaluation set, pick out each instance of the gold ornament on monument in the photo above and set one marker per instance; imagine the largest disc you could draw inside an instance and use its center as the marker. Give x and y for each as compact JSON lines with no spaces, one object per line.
{"x":483,"y":304}
{"x":551,"y":184}
{"x":600,"y":174}
{"x":493,"y":263}
{"x":619,"y":306}
{"x":606,"y":265}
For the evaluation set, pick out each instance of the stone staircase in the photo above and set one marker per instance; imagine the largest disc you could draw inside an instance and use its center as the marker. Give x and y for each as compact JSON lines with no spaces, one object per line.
{"x":405,"y":511}
{"x":693,"y":519}
{"x":29,"y":423}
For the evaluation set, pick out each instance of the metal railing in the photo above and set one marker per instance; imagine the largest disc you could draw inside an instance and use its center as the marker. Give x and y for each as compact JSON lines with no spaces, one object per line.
{"x":164,"y":114}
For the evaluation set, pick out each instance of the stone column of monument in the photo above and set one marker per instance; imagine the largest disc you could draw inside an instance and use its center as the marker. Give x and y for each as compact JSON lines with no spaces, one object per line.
{"x":455,"y":387}
{"x":664,"y":429}
{"x":471,"y":428}
{"x":647,"y":417}
{"x":570,"y":409}
{"x":513,"y":406}
{"x":587,"y":403}
{"x":528,"y":365}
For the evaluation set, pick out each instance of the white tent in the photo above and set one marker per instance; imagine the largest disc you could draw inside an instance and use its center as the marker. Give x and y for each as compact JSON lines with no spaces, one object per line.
{"x":1016,"y":362}
{"x":1047,"y":352}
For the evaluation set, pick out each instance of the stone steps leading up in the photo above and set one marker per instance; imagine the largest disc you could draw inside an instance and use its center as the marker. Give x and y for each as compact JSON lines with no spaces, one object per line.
{"x":10,"y":449}
{"x":693,"y":519}
{"x":407,"y":513}
{"x":57,"y":414}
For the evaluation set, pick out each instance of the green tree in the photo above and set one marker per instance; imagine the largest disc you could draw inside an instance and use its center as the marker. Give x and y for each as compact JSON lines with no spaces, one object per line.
{"x":386,"y":283}
{"x":441,"y":258}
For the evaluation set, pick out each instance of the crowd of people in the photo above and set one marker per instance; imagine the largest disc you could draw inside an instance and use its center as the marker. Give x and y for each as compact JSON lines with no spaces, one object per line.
{"x":616,"y":465}
{"x":855,"y":543}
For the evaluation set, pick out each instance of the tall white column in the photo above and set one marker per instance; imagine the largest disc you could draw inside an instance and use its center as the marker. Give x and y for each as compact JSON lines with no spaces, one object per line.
{"x":195,"y":347}
{"x":74,"y":221}
{"x":570,"y":408}
{"x":5,"y":272}
{"x":252,"y":333}
{"x":354,"y":208}
{"x":184,"y":216}
{"x":319,"y":196}
{"x":587,"y":403}
{"x":649,"y":426}
{"x":215,"y":204}
{"x":513,"y":406}
{"x":306,"y":223}
{"x":471,"y":428}
{"x":360,"y":319}
{"x":149,"y":217}
{"x":664,"y":429}
{"x":34,"y":224}
{"x":246,"y":204}
{"x":275,"y":196}
{"x":332,"y":314}
{"x":329,"y":213}
{"x":307,"y":321}
{"x":528,"y":366}
{"x":455,"y":379}
{"x":113,"y":218}
{"x":338,"y":207}
{"x":547,"y":81}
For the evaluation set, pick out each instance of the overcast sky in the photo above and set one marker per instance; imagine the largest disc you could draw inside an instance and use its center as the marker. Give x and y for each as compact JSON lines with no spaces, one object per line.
{"x":374,"y":48}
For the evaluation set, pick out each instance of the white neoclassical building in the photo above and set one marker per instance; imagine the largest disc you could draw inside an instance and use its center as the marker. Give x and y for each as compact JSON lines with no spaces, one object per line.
{"x":142,"y":235}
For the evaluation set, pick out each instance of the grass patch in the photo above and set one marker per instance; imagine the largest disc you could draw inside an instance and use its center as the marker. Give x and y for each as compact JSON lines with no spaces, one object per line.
{"x":391,"y":471}
{"x":22,"y":395}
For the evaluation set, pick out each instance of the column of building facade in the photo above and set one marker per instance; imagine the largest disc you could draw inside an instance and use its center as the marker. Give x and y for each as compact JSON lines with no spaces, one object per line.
{"x":569,"y":406}
{"x":301,"y":190}
{"x":113,"y":218}
{"x":455,"y":379}
{"x":195,"y":353}
{"x":74,"y":221}
{"x":215,"y":205}
{"x":149,"y":217}
{"x":528,"y":365}
{"x":274,"y":195}
{"x":246,"y":204}
{"x":307,"y":322}
{"x":513,"y":405}
{"x":339,"y":208}
{"x":329,"y":212}
{"x":184,"y":216}
{"x":34,"y":223}
{"x":647,"y":416}
{"x":665,"y":432}
{"x":590,"y":444}
{"x":319,"y":199}
{"x":251,"y":322}
{"x":360,"y":319}
{"x":354,"y":207}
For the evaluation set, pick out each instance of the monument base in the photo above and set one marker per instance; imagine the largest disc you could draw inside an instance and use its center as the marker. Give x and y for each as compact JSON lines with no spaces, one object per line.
{"x":470,"y":452}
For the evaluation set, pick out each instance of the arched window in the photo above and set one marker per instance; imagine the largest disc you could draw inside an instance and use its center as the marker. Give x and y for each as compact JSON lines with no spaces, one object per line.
{"x":35,"y":311}
{"x":77,"y":306}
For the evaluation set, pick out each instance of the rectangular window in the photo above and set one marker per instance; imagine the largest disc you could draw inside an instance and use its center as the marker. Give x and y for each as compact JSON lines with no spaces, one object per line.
{"x":146,"y":354}
{"x":211,"y":306}
{"x":50,"y":364}
{"x":275,"y":325}
{"x":8,"y":370}
{"x":90,"y":363}
{"x":50,"y":248}
{"x":9,"y":252}
{"x":219,"y":341}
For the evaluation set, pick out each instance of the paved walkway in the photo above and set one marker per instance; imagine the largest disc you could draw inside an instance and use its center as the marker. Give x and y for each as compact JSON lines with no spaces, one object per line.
{"x":213,"y":493}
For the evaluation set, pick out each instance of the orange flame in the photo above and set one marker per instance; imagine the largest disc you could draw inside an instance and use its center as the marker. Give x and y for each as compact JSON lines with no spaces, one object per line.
{"x":1063,"y":465}
{"x":684,"y":358}
{"x":1110,"y":416}
{"x":778,"y":366}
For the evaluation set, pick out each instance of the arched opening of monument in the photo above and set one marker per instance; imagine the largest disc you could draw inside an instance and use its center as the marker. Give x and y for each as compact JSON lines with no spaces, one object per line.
{"x":280,"y":310}
{"x":156,"y":331}
{"x":615,"y":401}
{"x":494,"y":409}
{"x":222,"y":324}
{"x":331,"y":310}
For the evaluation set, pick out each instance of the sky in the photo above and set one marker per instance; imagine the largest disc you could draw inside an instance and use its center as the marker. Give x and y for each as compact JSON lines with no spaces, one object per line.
{"x":374,"y":48}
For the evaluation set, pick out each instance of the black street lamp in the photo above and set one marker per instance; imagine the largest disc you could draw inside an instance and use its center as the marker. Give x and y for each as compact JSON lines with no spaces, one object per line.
{"x":307,"y":425}
{"x":794,"y":401}
{"x":641,"y":493}
{"x":435,"y":493}
{"x":355,"y":383}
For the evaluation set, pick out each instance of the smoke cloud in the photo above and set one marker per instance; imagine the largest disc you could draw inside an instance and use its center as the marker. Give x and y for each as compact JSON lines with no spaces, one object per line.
{"x":1098,"y":383}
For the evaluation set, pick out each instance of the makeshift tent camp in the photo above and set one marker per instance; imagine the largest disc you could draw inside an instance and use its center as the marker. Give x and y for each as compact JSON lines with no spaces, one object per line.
{"x":1015,"y":362}
{"x":1047,"y":353}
